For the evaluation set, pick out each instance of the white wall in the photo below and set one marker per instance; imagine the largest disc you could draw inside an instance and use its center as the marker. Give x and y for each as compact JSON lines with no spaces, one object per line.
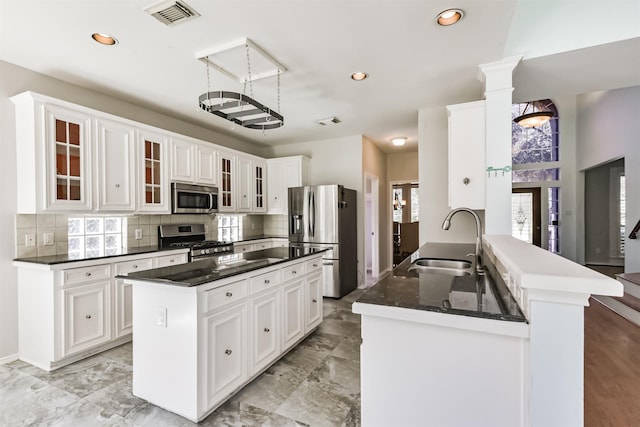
{"x":14,"y":80}
{"x":434,"y":181}
{"x":608,"y":128}
{"x":333,"y":161}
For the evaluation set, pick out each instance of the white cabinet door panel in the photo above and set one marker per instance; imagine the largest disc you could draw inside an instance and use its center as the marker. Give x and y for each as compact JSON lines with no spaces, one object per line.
{"x":115,"y":159}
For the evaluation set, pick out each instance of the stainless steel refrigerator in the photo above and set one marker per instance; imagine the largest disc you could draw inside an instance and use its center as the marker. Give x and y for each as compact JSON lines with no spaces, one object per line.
{"x":325,"y":216}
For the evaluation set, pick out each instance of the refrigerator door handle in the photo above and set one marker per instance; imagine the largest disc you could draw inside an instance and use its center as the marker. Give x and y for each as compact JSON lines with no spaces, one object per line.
{"x":313,"y":218}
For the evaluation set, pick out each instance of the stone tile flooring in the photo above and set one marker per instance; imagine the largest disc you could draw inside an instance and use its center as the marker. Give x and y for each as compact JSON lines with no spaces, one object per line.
{"x":316,"y":384}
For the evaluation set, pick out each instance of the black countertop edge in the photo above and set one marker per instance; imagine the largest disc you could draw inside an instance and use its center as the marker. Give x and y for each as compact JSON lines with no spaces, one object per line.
{"x":263,"y":237}
{"x":64,"y":258}
{"x":202,"y":271}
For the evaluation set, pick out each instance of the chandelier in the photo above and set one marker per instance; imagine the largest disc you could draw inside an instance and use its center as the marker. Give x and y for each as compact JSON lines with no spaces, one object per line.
{"x":239,"y":108}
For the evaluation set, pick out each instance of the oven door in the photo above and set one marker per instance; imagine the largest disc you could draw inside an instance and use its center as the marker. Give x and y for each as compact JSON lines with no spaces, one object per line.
{"x":193,"y":199}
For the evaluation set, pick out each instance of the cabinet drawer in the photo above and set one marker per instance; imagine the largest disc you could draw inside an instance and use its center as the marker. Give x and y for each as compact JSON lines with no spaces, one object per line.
{"x":85,"y":274}
{"x":242,"y":248}
{"x":137,"y":265}
{"x":292,"y":271}
{"x":264,"y":281}
{"x":313,"y":265}
{"x":262,"y":245}
{"x":167,"y":260}
{"x":226,"y":295}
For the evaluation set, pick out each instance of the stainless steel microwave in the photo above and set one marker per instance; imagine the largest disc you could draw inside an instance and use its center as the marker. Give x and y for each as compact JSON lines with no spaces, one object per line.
{"x":193,"y":199}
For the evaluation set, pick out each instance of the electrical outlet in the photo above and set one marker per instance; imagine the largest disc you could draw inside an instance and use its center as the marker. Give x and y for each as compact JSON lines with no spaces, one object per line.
{"x":138,"y":233}
{"x":47,"y":239}
{"x":29,"y":239}
{"x":162,"y":317}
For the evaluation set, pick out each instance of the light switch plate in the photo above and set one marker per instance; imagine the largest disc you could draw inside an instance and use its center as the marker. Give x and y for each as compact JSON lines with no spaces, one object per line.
{"x":138,"y":233}
{"x":162,"y":317}
{"x":48,"y":239}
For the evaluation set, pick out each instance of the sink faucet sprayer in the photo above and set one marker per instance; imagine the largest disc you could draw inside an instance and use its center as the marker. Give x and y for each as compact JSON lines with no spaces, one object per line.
{"x":447,"y":223}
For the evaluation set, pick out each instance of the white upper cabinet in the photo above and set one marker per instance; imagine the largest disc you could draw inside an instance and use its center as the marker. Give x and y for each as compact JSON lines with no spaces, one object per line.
{"x":259,"y":186}
{"x":226,"y":182}
{"x":115,"y":166}
{"x":206,"y":161}
{"x":283,"y":172}
{"x":182,"y":160}
{"x":467,"y":163}
{"x":153,"y":172}
{"x":53,"y":153}
{"x":244,"y":186}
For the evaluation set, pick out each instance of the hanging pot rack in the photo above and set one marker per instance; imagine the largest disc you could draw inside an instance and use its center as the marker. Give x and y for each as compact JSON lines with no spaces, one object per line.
{"x":230,"y":106}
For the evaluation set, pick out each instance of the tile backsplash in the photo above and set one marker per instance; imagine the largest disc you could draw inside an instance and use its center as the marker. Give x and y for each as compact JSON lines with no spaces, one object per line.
{"x":276,"y":225}
{"x":57,"y":224}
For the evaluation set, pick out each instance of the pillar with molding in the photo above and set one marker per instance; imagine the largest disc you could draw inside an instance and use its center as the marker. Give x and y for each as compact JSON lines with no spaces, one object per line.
{"x":498,"y":77}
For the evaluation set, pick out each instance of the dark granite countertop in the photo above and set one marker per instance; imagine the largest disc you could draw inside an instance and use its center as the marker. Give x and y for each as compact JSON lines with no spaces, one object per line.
{"x":66,"y":258}
{"x":215,"y":268}
{"x":472,"y":294}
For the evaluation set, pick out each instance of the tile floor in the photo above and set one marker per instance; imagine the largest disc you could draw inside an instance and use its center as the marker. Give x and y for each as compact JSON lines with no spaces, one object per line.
{"x":316,"y":384}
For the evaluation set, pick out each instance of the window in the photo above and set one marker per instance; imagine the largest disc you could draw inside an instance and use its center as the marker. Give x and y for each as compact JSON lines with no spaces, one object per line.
{"x":415,"y":204}
{"x":535,"y":157}
{"x":91,"y":237}
{"x":229,"y":228}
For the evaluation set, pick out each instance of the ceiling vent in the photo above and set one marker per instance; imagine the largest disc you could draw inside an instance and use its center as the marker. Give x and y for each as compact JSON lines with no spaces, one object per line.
{"x":329,"y":121}
{"x":172,"y":12}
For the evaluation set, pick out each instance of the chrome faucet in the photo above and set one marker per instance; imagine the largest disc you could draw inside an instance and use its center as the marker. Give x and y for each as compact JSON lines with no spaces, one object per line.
{"x":447,"y":223}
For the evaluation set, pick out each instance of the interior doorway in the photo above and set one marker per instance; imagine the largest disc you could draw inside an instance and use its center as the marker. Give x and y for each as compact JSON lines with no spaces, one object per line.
{"x":371,"y":227}
{"x":405,"y":226}
{"x":526,"y":215}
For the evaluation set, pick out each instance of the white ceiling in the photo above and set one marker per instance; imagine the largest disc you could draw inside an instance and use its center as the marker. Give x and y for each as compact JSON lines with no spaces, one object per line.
{"x":412,"y":62}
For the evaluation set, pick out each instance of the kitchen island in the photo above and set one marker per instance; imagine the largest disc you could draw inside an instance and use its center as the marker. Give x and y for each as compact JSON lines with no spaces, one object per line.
{"x":455,"y":347}
{"x":205,"y":329}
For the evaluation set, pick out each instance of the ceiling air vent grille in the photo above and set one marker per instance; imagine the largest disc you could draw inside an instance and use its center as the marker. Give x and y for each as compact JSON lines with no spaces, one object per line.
{"x":172,"y":12}
{"x":329,"y":121}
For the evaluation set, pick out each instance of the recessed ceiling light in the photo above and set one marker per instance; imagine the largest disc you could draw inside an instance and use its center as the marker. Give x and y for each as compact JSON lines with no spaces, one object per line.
{"x":399,"y":141}
{"x":104,"y":39}
{"x":359,"y":76}
{"x":449,"y":17}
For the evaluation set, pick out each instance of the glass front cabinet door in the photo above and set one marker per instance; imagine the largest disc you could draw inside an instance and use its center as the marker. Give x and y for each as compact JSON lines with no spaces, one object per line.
{"x":67,"y":136}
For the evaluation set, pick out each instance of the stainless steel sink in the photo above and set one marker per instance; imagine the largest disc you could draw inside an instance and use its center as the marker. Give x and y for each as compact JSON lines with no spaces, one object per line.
{"x":449,"y":267}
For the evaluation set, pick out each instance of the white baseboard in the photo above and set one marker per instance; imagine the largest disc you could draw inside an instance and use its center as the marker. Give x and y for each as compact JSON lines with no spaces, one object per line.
{"x":8,"y":359}
{"x":623,"y":310}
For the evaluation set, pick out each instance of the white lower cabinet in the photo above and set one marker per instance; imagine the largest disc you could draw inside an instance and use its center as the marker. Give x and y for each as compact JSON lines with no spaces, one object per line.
{"x":69,"y":311}
{"x":264,"y":329}
{"x":226,"y":350}
{"x":293,"y":310}
{"x":86,"y":319}
{"x":220,"y":335}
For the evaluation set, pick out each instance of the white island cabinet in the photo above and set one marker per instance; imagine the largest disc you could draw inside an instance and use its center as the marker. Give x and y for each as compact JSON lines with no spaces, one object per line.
{"x":197,"y":346}
{"x":444,"y":369}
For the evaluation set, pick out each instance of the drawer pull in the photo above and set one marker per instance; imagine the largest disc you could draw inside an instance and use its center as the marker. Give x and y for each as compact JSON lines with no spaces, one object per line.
{"x":294,"y":272}
{"x":88,"y":316}
{"x":314,"y":300}
{"x":315,"y":265}
{"x":229,"y":294}
{"x":267,"y":281}
{"x":87,"y":274}
{"x":171,"y":260}
{"x":266,"y":329}
{"x":228,"y":352}
{"x":134,"y":266}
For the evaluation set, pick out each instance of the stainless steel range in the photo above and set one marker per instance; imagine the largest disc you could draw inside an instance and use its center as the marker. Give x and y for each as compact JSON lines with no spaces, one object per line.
{"x":191,"y":236}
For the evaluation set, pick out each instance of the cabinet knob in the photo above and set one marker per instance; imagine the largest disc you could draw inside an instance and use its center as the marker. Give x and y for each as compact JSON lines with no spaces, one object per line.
{"x":88,"y":316}
{"x":315,"y":265}
{"x":466,"y":181}
{"x":294,"y":272}
{"x":87,"y":274}
{"x":314,"y":300}
{"x":229,"y":294}
{"x":266,"y":329}
{"x":267,"y":281}
{"x":117,"y":185}
{"x":227,"y":352}
{"x":276,"y":197}
{"x":171,"y":260}
{"x":134,"y":266}
{"x":244,"y":195}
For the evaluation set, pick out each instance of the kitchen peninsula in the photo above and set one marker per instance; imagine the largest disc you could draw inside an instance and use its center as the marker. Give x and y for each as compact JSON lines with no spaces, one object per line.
{"x":451,"y":347}
{"x":205,"y":329}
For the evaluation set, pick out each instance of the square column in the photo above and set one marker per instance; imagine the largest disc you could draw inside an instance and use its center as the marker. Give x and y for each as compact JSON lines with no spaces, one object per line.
{"x":498,"y":78}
